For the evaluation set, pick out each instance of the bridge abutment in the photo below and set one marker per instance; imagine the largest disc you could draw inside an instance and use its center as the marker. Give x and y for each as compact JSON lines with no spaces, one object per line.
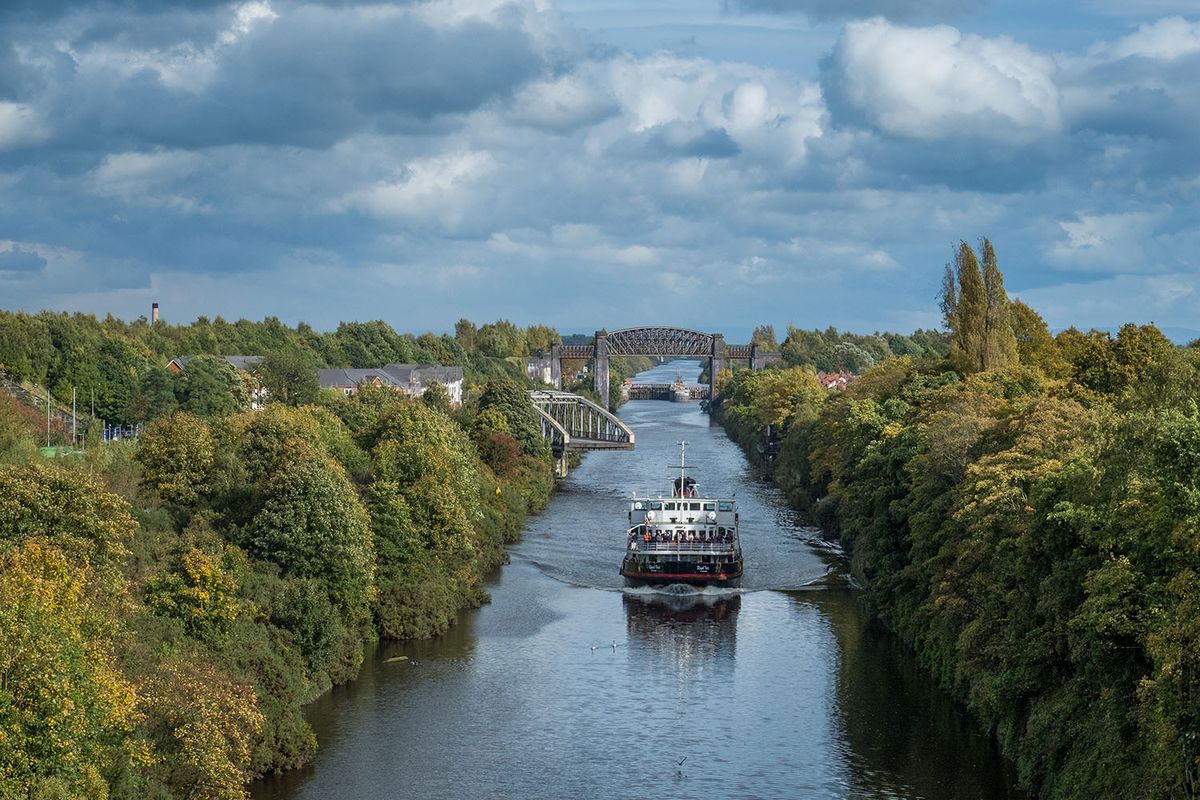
{"x":600,"y":367}
{"x":556,"y":366}
{"x":717,"y":364}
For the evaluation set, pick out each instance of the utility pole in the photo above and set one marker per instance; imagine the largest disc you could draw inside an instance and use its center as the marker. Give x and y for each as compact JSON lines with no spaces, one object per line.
{"x":74,"y":421}
{"x":47,"y":415}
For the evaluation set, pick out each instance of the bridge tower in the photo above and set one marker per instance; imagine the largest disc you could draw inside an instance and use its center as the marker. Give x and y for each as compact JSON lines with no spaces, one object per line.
{"x":600,"y":367}
{"x":556,"y":366}
{"x":717,"y":364}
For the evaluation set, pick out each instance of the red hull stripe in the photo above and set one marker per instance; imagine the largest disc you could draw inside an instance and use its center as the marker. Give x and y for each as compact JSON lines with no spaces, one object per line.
{"x":720,"y":576}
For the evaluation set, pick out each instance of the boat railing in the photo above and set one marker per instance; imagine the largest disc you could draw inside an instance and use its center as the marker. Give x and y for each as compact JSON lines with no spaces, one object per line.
{"x":688,"y":548}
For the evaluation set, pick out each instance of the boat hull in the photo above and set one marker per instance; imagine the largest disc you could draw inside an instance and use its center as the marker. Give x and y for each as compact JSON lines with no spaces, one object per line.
{"x":685,"y":572}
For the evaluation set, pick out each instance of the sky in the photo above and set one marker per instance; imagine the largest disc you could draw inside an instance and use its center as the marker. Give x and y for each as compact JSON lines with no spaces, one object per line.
{"x":713,"y":164}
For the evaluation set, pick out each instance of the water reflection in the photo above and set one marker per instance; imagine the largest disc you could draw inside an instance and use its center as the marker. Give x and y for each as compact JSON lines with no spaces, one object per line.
{"x":902,"y":736}
{"x":683,"y":627}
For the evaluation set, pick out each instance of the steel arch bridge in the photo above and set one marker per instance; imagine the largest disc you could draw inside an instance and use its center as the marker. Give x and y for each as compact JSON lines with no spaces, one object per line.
{"x":655,"y":340}
{"x":573,"y":423}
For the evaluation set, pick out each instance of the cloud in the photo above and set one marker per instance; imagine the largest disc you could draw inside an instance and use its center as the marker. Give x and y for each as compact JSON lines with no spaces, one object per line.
{"x":1166,"y":39}
{"x":20,"y":125}
{"x":853,"y":9}
{"x":937,"y":83}
{"x":17,"y":261}
{"x":437,"y":189}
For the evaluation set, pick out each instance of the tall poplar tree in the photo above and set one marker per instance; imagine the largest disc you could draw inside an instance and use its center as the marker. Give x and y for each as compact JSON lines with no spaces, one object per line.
{"x":977,"y":312}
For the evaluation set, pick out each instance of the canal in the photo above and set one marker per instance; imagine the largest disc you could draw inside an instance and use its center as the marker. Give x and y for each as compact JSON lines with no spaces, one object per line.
{"x":568,"y":686}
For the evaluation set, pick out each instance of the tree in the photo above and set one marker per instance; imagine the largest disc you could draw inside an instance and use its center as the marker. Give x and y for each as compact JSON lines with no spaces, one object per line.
{"x":289,"y":377}
{"x":764,"y":337}
{"x":464,"y":332}
{"x":176,"y":453}
{"x":976,"y":310}
{"x":212,"y":387}
{"x":153,"y":397}
{"x":437,"y":397}
{"x":1035,"y":346}
{"x":539,"y":338}
{"x":312,"y":524}
{"x":200,"y":591}
{"x":204,"y":724}
{"x":513,"y":402}
{"x":65,"y":711}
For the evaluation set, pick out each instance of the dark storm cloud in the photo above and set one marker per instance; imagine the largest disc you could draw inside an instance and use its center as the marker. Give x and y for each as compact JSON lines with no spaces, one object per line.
{"x":852,"y":9}
{"x":308,"y":78}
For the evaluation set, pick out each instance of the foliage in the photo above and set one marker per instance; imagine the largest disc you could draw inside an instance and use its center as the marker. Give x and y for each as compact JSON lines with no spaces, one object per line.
{"x":1029,"y":528}
{"x":512,"y":402}
{"x":176,"y":453}
{"x":200,"y":591}
{"x":976,"y":310}
{"x":289,"y":376}
{"x":312,"y":524}
{"x":211,"y":386}
{"x":65,"y":711}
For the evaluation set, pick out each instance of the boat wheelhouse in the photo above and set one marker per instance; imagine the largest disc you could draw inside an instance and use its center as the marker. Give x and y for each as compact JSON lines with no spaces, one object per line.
{"x":689,"y":537}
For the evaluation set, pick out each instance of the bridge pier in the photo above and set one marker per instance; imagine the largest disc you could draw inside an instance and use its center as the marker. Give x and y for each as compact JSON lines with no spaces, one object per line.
{"x":556,"y":366}
{"x":600,"y":367}
{"x":717,"y":364}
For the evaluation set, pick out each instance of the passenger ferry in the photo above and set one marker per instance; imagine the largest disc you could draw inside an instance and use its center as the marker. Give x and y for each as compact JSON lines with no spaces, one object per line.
{"x":686,"y":538}
{"x":680,"y":391}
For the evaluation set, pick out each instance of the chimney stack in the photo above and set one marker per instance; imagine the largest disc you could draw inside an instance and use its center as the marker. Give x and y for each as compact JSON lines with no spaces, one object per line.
{"x":153,"y":313}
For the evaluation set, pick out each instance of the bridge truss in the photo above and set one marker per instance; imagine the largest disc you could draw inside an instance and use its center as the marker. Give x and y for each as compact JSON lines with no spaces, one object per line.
{"x":573,"y":423}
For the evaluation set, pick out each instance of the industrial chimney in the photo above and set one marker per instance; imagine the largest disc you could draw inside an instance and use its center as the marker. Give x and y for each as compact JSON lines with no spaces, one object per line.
{"x":153,"y":313}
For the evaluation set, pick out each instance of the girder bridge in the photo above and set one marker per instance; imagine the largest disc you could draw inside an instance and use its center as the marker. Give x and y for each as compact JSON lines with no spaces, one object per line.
{"x":572,"y":423}
{"x":654,"y":341}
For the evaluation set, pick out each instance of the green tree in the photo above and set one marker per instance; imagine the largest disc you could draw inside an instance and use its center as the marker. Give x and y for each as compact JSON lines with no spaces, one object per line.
{"x":437,"y":397}
{"x":976,"y":310}
{"x":212,"y":387}
{"x":764,"y":337}
{"x":312,"y":524}
{"x":154,"y":396}
{"x":513,"y":403}
{"x":289,"y":376}
{"x":177,"y":453}
{"x":200,"y":591}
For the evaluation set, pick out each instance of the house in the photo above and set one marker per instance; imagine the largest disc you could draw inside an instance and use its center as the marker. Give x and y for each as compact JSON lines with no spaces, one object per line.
{"x":836,"y":381}
{"x":248,"y":364}
{"x":411,"y":379}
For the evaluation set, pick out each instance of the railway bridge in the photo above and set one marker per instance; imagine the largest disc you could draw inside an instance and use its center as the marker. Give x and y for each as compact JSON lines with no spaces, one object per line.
{"x":572,"y":423}
{"x":655,"y":341}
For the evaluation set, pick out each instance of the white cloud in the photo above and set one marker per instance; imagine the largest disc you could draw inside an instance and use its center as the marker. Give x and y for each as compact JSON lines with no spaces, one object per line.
{"x":1107,"y":241}
{"x":766,"y":114}
{"x":1166,"y":39}
{"x":937,"y":83}
{"x":437,"y":188}
{"x":149,"y":178}
{"x":20,"y":124}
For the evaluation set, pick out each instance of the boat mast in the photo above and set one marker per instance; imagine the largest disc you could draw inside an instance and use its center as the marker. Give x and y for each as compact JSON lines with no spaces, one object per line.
{"x":682,"y":468}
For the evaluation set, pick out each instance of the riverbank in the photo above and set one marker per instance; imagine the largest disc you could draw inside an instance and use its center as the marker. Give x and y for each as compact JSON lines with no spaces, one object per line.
{"x":1030,"y":538}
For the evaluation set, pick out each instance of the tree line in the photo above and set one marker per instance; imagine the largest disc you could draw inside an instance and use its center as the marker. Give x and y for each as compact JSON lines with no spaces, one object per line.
{"x":1023,"y":511}
{"x":120,"y":368}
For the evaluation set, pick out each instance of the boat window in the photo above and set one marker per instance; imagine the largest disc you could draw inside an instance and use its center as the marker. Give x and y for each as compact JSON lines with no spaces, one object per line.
{"x":655,"y":506}
{"x":695,"y":506}
{"x":710,"y":506}
{"x":669,"y":506}
{"x":726,"y":505}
